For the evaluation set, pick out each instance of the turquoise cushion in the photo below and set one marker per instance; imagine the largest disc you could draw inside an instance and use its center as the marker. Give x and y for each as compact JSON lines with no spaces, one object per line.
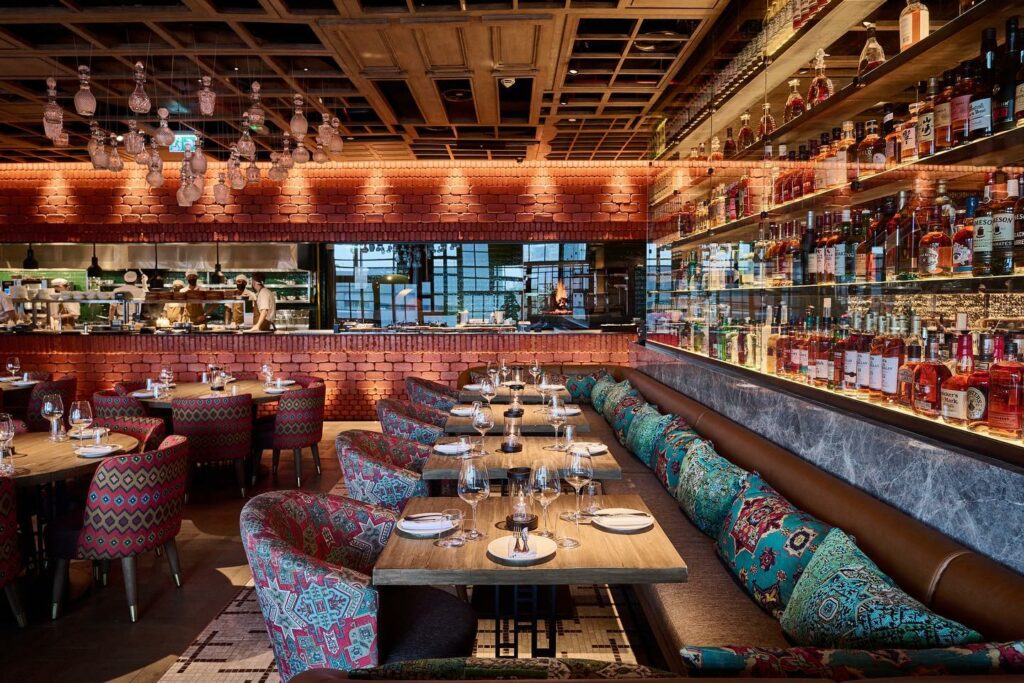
{"x":767,"y":543}
{"x":646,"y":431}
{"x":844,"y":600}
{"x":670,"y":450}
{"x":581,"y":385}
{"x":612,"y":398}
{"x":626,"y":410}
{"x":600,"y":391}
{"x":847,"y":665}
{"x":708,"y":484}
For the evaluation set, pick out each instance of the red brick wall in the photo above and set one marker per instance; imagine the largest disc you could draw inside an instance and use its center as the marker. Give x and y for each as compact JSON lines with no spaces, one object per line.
{"x":358,"y":369}
{"x":356,"y":202}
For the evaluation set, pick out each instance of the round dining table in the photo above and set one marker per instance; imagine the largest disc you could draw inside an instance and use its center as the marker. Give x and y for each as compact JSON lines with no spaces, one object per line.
{"x":254,"y":388}
{"x":37,"y":460}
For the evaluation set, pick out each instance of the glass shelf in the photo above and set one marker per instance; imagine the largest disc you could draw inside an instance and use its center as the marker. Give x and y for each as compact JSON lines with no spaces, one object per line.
{"x":992,"y":284}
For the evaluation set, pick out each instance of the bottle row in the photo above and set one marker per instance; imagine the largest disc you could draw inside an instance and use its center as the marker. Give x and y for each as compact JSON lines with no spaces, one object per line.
{"x":968,"y":378}
{"x":918,"y":234}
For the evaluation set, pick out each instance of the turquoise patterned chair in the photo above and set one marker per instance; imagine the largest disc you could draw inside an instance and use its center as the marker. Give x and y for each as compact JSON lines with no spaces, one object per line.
{"x":380,"y":469}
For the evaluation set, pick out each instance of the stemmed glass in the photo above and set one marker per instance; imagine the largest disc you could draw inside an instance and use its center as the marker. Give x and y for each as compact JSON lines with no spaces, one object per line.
{"x":6,"y":436}
{"x":579,"y":470}
{"x":535,"y":371}
{"x":545,"y":487}
{"x":492,"y":372}
{"x":474,"y":486}
{"x":488,"y":391}
{"x":267,"y":373}
{"x":13,"y":366}
{"x":53,"y":410}
{"x":483,"y":421}
{"x":557,"y":419}
{"x":504,"y":370}
{"x":80,"y":416}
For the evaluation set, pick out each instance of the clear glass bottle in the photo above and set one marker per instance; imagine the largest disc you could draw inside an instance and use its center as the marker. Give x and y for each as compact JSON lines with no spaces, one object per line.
{"x":1004,"y":395}
{"x":821,"y":87}
{"x":913,"y":24}
{"x":767,"y":124}
{"x":729,"y":149}
{"x":794,"y":103}
{"x":746,"y":135}
{"x":872,"y":56}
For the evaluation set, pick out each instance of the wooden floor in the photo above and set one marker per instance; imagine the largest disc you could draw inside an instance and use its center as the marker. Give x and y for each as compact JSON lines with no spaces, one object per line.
{"x":94,"y":639}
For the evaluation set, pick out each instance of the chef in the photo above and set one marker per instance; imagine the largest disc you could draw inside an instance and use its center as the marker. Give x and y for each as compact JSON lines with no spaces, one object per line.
{"x":266,"y":304}
{"x":8,"y":313}
{"x":196,"y":312}
{"x":236,"y":312}
{"x":68,"y":312}
{"x":175,"y":312}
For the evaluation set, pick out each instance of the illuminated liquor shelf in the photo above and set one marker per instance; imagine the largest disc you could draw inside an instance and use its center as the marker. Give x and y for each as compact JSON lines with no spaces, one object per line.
{"x":987,"y":284}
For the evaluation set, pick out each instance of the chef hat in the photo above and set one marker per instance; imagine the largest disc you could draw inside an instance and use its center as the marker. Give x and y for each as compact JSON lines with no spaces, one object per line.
{"x":58,"y":282}
{"x":177,"y":284}
{"x":241,"y":278}
{"x":190,"y":272}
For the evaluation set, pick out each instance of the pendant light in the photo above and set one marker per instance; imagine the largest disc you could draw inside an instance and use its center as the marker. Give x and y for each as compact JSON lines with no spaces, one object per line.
{"x":157,"y":281}
{"x":139,"y":101}
{"x":53,"y":115}
{"x":30,"y":258}
{"x":94,"y":269}
{"x":218,"y":273}
{"x":85,"y":101}
{"x":299,"y":125}
{"x":207,"y":98}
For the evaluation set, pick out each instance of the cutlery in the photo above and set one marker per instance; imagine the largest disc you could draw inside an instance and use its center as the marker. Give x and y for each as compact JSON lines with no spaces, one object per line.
{"x":620,"y":514}
{"x":425,"y":515}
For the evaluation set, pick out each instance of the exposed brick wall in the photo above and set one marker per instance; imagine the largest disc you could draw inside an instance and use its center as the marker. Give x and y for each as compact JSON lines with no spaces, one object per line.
{"x":358,"y":369}
{"x":407,"y":201}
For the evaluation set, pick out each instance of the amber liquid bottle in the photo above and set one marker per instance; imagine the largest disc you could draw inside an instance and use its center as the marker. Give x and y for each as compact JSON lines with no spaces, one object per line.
{"x":929,"y":376}
{"x":850,"y":355}
{"x":977,"y":390}
{"x":963,"y":240}
{"x":1018,"y":224}
{"x":935,"y":256}
{"x":905,"y":376}
{"x":864,"y":356}
{"x":983,"y":229}
{"x":893,"y":356}
{"x":729,"y":149}
{"x":960,"y":111}
{"x":876,"y":353}
{"x":954,"y":389}
{"x":926,"y":121}
{"x":1003,"y":229}
{"x":943,"y":113}
{"x":1004,"y":394}
{"x":985,"y":82}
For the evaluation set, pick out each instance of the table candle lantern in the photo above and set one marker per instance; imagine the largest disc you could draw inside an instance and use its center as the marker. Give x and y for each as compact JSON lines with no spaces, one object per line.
{"x":512,"y":440}
{"x":515,"y":408}
{"x":521,"y":501}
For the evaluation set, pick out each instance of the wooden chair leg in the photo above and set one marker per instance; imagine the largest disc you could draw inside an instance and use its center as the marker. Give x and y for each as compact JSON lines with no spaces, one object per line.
{"x":298,"y":467}
{"x":104,"y":572}
{"x":188,"y":480}
{"x":316,"y":458}
{"x":277,"y":460}
{"x":128,"y":568}
{"x":171,"y":550}
{"x":60,"y":580}
{"x":14,"y":599}
{"x":159,"y":551}
{"x":257,"y":459}
{"x":240,"y":474}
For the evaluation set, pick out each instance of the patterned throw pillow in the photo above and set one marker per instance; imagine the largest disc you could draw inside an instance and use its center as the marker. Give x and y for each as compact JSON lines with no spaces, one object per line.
{"x":646,"y":431}
{"x":708,"y":485}
{"x":614,"y":396}
{"x":481,"y":669}
{"x":844,"y":600}
{"x":767,"y":543}
{"x":846,"y":665}
{"x":600,"y":392}
{"x":580,"y":386}
{"x":670,"y":450}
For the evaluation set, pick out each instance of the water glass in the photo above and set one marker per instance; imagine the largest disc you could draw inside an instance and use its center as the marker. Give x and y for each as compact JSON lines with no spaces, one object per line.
{"x":557,"y":419}
{"x":483,"y":422}
{"x":474,"y":486}
{"x":578,"y":472}
{"x":488,"y":390}
{"x":453,"y":539}
{"x":592,"y":497}
{"x":535,"y":371}
{"x":13,"y":366}
{"x":80,"y":416}
{"x":53,"y":410}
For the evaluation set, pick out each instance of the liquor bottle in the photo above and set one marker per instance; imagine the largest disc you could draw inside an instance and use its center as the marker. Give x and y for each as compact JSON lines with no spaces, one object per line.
{"x":913,"y":223}
{"x":837,"y":360}
{"x":913,"y":24}
{"x":893,"y":356}
{"x":746,"y":135}
{"x":893,"y":239}
{"x":954,"y":389}
{"x":982,"y":244}
{"x":1018,"y":96}
{"x":820,"y":269}
{"x":864,"y":356}
{"x":716,"y":150}
{"x":963,"y":239}
{"x":1004,"y":394}
{"x":945,"y":204}
{"x":823,"y":351}
{"x":851,"y":346}
{"x":905,"y":377}
{"x":730,"y":145}
{"x":985,"y":82}
{"x":832,"y":237}
{"x":943,"y":112}
{"x":929,"y":376}
{"x":794,"y":103}
{"x":1018,"y":228}
{"x":702,"y":154}
{"x":862,"y":249}
{"x":853,"y":152}
{"x":893,"y":140}
{"x":812,"y":250}
{"x":872,"y":56}
{"x":847,"y":141}
{"x":926,"y":121}
{"x":908,"y":134}
{"x":977,"y":391}
{"x":960,"y":109}
{"x":819,"y":152}
{"x":1003,"y":104}
{"x":1003,"y":229}
{"x":804,"y":346}
{"x":877,"y":353}
{"x":846,"y":248}
{"x":867,"y":164}
{"x":935,"y":255}
{"x":767,"y":125}
{"x":821,"y":85}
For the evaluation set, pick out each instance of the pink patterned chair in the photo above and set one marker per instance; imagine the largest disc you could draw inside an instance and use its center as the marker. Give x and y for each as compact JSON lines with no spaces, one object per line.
{"x":320,"y":606}
{"x":150,"y":431}
{"x":297,"y":424}
{"x":411,"y":421}
{"x":126,"y":387}
{"x":306,"y":380}
{"x":218,"y":429}
{"x":66,"y":387}
{"x":133,"y":506}
{"x":110,"y":403}
{"x":433,"y":394}
{"x":381,"y":470}
{"x":10,"y":555}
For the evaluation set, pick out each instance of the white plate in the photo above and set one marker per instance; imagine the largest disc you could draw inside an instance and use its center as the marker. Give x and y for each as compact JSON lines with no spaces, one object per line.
{"x":10,"y":379}
{"x":87,"y":433}
{"x":568,"y":412}
{"x":275,"y":391}
{"x":471,"y":387}
{"x":30,"y":383}
{"x":625,"y":524}
{"x":287,"y":382}
{"x":452,"y":448}
{"x":420,"y":532}
{"x":462,"y":411}
{"x":96,"y":452}
{"x":540,"y":549}
{"x":142,"y":393}
{"x":591,"y":447}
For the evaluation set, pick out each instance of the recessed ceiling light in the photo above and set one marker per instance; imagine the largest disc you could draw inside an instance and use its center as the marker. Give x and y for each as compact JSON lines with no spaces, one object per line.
{"x":573,"y":72}
{"x":572,"y":120}
{"x":350,"y":138}
{"x":236,"y":68}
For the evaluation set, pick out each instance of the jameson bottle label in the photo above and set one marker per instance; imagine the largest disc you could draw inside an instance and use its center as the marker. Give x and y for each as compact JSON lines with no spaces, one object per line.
{"x":977,"y":404}
{"x":983,"y":234}
{"x":926,"y":127}
{"x":954,"y":404}
{"x":963,"y":258}
{"x":980,"y":115}
{"x":890,"y":375}
{"x":1002,"y":230}
{"x":1018,"y":100}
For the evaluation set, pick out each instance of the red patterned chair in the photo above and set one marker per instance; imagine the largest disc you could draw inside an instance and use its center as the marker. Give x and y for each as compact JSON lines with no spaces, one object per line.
{"x":66,"y":387}
{"x":320,"y":606}
{"x":306,"y":380}
{"x":133,"y":506}
{"x":297,"y":424}
{"x":110,"y":403}
{"x":10,"y":556}
{"x":381,"y":470}
{"x":411,"y":421}
{"x":218,"y":429}
{"x":126,"y":387}
{"x":150,"y":431}
{"x":433,"y":394}
{"x":16,"y":402}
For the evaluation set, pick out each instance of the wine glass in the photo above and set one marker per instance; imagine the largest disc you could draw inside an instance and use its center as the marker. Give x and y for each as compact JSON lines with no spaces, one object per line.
{"x":454,"y":539}
{"x":267,"y":373}
{"x":80,"y":416}
{"x":535,"y":371}
{"x":53,"y":410}
{"x":557,"y":419}
{"x":488,"y":391}
{"x":483,"y":421}
{"x":579,"y":470}
{"x":474,"y":486}
{"x":13,"y":366}
{"x":6,"y":436}
{"x":545,"y":487}
{"x":504,"y":370}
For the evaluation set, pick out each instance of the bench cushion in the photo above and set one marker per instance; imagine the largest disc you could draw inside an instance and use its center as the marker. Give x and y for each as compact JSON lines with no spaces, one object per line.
{"x":614,"y":396}
{"x":645,"y":432}
{"x":599,"y":393}
{"x":581,"y":385}
{"x":670,"y":451}
{"x":708,"y":485}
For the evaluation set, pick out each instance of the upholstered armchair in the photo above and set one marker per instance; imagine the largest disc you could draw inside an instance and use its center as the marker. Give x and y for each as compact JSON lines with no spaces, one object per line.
{"x":380,"y":469}
{"x":433,"y":394}
{"x":218,"y":429}
{"x":126,"y":387}
{"x":10,"y":555}
{"x":133,"y":506}
{"x":110,"y":403}
{"x":66,"y":387}
{"x":297,"y":424}
{"x":411,"y":421}
{"x":150,"y":431}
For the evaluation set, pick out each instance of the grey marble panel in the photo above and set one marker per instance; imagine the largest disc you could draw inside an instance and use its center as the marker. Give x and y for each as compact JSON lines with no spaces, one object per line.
{"x":979,"y":504}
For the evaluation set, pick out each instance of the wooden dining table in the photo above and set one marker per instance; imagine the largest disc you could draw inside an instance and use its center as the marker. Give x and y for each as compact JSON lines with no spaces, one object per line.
{"x":37,"y":460}
{"x":530,"y":394}
{"x":534,"y":421}
{"x":254,"y":388}
{"x":446,"y":467}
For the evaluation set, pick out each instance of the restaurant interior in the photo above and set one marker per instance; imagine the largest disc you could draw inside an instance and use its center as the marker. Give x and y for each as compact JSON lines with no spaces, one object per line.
{"x":511,"y":339}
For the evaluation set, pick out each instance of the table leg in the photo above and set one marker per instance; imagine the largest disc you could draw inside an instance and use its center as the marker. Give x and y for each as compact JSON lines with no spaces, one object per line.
{"x":527,"y":609}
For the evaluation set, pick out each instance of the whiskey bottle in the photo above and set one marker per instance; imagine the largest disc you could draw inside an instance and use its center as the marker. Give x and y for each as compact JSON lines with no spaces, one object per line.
{"x":877,"y":352}
{"x":960,"y":110}
{"x":893,"y":142}
{"x":767,"y":125}
{"x":905,"y":377}
{"x":908,"y":133}
{"x":837,"y":363}
{"x":926,"y":121}
{"x":864,"y":356}
{"x":1018,"y":95}
{"x":963,"y":239}
{"x":794,"y":103}
{"x":977,"y":390}
{"x":983,"y":229}
{"x":871,"y":152}
{"x":853,"y":152}
{"x":893,"y":356}
{"x":929,"y":376}
{"x":935,"y":256}
{"x":943,"y":112}
{"x":913,"y":24}
{"x":746,"y":134}
{"x":821,"y":85}
{"x":1018,"y":228}
{"x":1003,"y":229}
{"x":980,"y":123}
{"x":823,"y":351}
{"x":894,"y":237}
{"x":850,"y":350}
{"x":1004,"y":394}
{"x":729,"y":148}
{"x":841,"y":157}
{"x":1003,"y":103}
{"x":954,"y":390}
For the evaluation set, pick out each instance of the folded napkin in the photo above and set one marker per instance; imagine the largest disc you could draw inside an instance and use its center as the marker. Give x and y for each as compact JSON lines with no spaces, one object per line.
{"x":286,"y":382}
{"x":88,"y":433}
{"x":452,"y":448}
{"x":426,"y":524}
{"x":567,"y":411}
{"x":471,"y":387}
{"x":462,"y":411}
{"x":95,"y":451}
{"x":142,"y":393}
{"x":590,"y":447}
{"x":552,"y":387}
{"x":624,"y":522}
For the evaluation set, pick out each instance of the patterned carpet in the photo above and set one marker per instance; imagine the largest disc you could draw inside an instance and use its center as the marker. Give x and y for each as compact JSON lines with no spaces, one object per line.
{"x":234,"y":648}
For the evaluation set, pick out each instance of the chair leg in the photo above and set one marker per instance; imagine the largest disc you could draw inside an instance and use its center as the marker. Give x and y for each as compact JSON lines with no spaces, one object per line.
{"x":60,"y":580}
{"x":188,"y":480}
{"x":316,"y":458}
{"x":277,"y":460}
{"x":128,"y":568}
{"x":14,"y":599}
{"x":104,"y":572}
{"x":298,"y":467}
{"x":257,"y":458}
{"x":240,"y":474}
{"x":159,"y":551}
{"x":171,"y":550}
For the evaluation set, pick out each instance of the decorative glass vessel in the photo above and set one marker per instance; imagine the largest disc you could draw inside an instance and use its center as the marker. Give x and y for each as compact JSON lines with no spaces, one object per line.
{"x":337,"y":144}
{"x":298,"y":125}
{"x":164,"y":136}
{"x":245,"y":146}
{"x":155,"y":177}
{"x":821,"y":85}
{"x":53,"y":115}
{"x":285,"y":159}
{"x":207,"y":98}
{"x":301,"y":153}
{"x":133,"y":140}
{"x":114,"y":161}
{"x":256,"y":113}
{"x":85,"y":101}
{"x":794,"y":103}
{"x":138,"y":101}
{"x":872,"y":56}
{"x":142,"y":158}
{"x":198,"y":158}
{"x":252,"y":172}
{"x":276,"y":172}
{"x":221,"y":192}
{"x":746,"y":135}
{"x":320,"y":156}
{"x":767,"y":125}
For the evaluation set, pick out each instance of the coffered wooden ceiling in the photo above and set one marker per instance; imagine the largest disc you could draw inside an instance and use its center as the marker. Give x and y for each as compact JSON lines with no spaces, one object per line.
{"x":409,"y":79}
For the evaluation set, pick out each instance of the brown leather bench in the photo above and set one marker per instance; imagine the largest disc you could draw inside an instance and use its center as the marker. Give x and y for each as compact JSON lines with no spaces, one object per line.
{"x":711,"y":609}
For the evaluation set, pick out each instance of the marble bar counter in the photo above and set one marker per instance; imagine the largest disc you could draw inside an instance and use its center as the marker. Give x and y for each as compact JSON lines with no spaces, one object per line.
{"x":359,"y":368}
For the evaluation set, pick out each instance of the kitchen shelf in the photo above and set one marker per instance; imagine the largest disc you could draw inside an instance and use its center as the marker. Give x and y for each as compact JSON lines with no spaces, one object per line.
{"x":987,"y":284}
{"x":130,"y":301}
{"x":979,"y":444}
